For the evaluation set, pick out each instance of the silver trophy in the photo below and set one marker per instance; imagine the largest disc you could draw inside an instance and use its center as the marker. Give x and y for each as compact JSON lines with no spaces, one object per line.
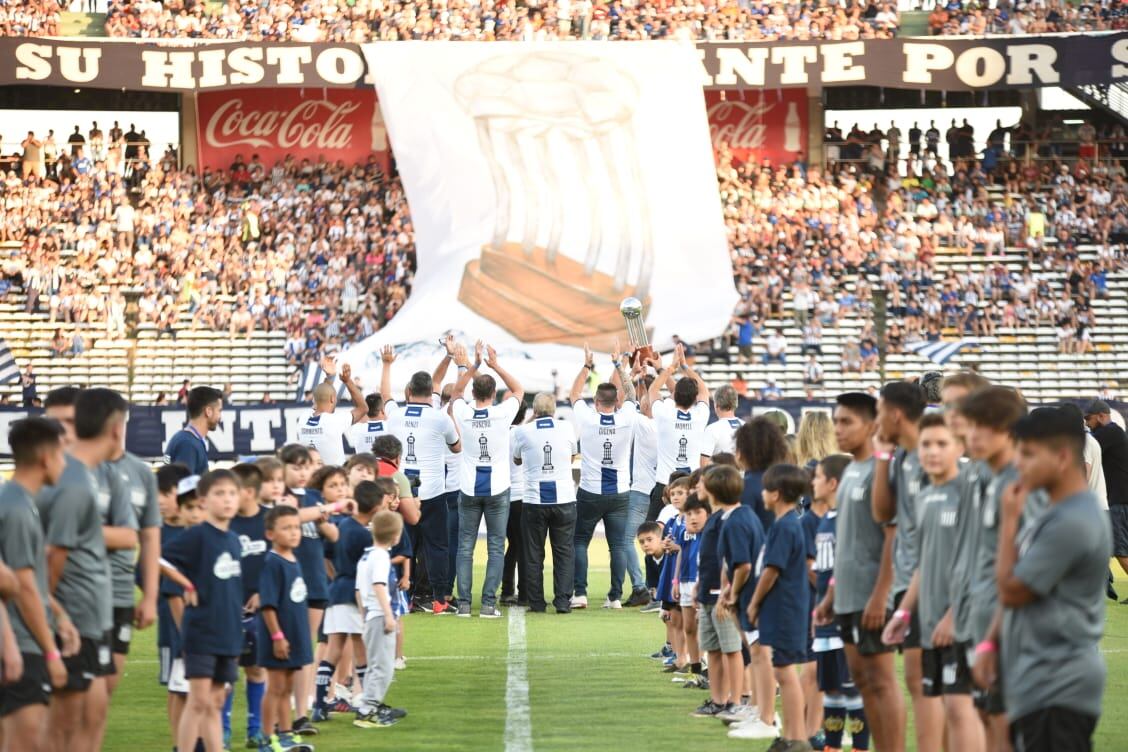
{"x":631,"y":308}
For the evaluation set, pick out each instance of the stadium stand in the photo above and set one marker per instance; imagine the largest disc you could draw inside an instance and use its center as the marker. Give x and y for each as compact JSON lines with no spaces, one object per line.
{"x":1021,"y":249}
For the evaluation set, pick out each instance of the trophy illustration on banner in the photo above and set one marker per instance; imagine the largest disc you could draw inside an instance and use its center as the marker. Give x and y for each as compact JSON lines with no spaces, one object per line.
{"x":557,"y":131}
{"x":631,"y":308}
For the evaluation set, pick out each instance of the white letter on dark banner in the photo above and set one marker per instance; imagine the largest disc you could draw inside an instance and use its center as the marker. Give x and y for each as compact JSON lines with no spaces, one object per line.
{"x":34,"y":61}
{"x":922,"y":59}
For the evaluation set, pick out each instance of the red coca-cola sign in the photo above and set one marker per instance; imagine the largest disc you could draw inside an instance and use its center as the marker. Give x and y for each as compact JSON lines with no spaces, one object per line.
{"x":758,"y":124}
{"x":341,"y":124}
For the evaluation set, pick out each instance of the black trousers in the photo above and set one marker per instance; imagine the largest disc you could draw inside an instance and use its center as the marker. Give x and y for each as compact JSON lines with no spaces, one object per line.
{"x":514,"y":555}
{"x":656,"y":504}
{"x":431,"y":550}
{"x":1054,"y":729}
{"x":557,"y":522}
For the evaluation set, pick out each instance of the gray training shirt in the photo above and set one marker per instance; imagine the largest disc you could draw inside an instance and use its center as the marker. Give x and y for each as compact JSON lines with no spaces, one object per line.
{"x":860,"y":540}
{"x":71,"y":520}
{"x":978,"y":474}
{"x":21,"y":547}
{"x":906,"y":480}
{"x":1051,"y":647}
{"x":984,"y":593}
{"x":141,"y":483}
{"x":938,"y":510}
{"x":116,"y":508}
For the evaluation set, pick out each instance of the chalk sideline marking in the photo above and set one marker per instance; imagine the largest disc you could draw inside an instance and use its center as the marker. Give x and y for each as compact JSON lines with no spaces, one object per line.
{"x":518,"y":727}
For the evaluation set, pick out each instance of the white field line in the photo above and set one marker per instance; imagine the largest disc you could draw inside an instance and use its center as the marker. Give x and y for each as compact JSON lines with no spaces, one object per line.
{"x":518,"y":727}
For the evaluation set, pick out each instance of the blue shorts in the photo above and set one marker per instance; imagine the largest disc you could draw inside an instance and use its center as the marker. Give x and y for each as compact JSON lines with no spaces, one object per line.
{"x":221,"y":669}
{"x":833,"y":672}
{"x":783,"y":657}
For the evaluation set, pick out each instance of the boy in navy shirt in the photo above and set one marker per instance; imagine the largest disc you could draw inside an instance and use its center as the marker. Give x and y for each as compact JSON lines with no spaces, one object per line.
{"x":283,"y":640}
{"x":204,"y":561}
{"x":718,"y":631}
{"x":781,"y":601}
{"x":696,"y":513}
{"x":343,"y":622}
{"x":176,"y":494}
{"x":250,"y":525}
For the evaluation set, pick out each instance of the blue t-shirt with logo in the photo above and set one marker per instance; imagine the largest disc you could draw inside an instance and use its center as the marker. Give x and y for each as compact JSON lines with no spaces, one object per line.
{"x":354,"y":538}
{"x":282,"y":589}
{"x":209,"y":558}
{"x":251,"y":532}
{"x":709,"y":560}
{"x":310,"y":552}
{"x":741,"y":542}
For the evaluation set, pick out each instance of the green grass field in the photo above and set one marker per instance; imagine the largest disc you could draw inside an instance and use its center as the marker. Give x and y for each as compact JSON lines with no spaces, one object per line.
{"x":590,"y":683}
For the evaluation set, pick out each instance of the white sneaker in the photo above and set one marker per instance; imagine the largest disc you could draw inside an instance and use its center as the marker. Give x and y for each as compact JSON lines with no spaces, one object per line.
{"x":755,"y":729}
{"x":341,"y":692}
{"x":401,"y":663}
{"x":738,"y":713}
{"x":608,"y":603}
{"x":579,"y":601}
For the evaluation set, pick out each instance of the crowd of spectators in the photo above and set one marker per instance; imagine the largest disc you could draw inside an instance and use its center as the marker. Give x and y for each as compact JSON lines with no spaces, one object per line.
{"x":959,"y":17}
{"x":323,"y":251}
{"x":30,"y":18}
{"x":366,"y":20}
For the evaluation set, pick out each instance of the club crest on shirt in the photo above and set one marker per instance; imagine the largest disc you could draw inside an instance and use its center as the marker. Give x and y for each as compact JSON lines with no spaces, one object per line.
{"x":226,"y":567}
{"x":857,"y":493}
{"x":251,"y":547}
{"x":298,"y":590}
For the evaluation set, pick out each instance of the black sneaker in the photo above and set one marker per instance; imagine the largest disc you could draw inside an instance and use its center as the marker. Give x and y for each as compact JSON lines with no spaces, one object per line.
{"x":508,"y":600}
{"x":708,"y":710}
{"x":651,"y":608}
{"x":639,"y":597}
{"x":302,"y":727}
{"x":396,"y":713}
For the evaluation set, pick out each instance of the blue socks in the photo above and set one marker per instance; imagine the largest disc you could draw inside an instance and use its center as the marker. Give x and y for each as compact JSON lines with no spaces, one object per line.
{"x":227,"y":713}
{"x":324,"y":679}
{"x":360,"y":672}
{"x":857,"y":725}
{"x":834,"y":720}
{"x":255,"y":692}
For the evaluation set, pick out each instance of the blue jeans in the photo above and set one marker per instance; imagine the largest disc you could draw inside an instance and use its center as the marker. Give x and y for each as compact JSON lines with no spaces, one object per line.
{"x":452,"y":533}
{"x":471,"y":509}
{"x":612,"y":509}
{"x":637,"y":508}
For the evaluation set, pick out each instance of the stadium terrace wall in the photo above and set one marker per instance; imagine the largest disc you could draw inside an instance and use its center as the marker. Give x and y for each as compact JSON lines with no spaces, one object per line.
{"x":261,"y":429}
{"x":914,"y":63}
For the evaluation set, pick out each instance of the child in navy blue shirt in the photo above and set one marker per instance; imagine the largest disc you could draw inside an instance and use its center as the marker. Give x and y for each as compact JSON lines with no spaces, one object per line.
{"x":176,"y":494}
{"x":344,"y":624}
{"x":250,"y":526}
{"x":204,"y":561}
{"x":696,"y":513}
{"x":781,"y":603}
{"x":675,"y":493}
{"x":283,"y":641}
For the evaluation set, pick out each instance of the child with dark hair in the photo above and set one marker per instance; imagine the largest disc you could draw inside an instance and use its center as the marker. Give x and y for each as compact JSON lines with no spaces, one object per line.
{"x":675,"y":495}
{"x":779,"y":606}
{"x":283,"y":644}
{"x":695,"y":513}
{"x":250,"y":527}
{"x":176,"y":493}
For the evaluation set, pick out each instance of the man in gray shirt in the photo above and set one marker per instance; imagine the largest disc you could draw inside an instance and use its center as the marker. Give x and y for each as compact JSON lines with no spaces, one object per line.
{"x":38,"y":454}
{"x":78,"y":568}
{"x":860,"y":590}
{"x":1051,"y":582}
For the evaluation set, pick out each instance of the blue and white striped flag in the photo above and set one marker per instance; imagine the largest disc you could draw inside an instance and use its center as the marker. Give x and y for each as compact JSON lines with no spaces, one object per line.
{"x":9,"y":370}
{"x":940,"y":352}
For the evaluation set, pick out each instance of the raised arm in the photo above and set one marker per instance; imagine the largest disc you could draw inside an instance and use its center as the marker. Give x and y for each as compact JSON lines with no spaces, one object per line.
{"x":664,"y":375}
{"x":512,"y":384}
{"x":360,"y":406}
{"x":582,"y":376}
{"x":387,"y":357}
{"x":622,"y":377}
{"x":441,"y":369}
{"x":703,"y":393}
{"x":466,"y":372}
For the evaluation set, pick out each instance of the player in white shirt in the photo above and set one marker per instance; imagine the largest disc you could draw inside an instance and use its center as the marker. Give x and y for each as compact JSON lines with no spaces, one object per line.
{"x":484,"y":474}
{"x":719,"y":434}
{"x":427,"y":434}
{"x":374,"y":425}
{"x":544,"y":447}
{"x":680,"y":423}
{"x":606,"y":434}
{"x":324,"y":429}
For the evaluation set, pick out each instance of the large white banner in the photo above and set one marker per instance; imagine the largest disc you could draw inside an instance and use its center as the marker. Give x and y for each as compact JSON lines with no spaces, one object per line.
{"x":547,"y":183}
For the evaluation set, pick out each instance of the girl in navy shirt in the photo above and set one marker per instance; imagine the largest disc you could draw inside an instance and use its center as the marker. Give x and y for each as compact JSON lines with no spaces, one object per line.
{"x":204,"y":561}
{"x":283,"y":644}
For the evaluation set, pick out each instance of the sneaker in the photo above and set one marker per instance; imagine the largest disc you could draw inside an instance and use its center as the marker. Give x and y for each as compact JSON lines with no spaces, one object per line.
{"x":320,"y":714}
{"x":374,"y":719}
{"x":696,"y":681}
{"x":612,"y":604}
{"x":579,"y":601}
{"x":508,"y":600}
{"x":227,"y":739}
{"x":662,"y":654}
{"x":753,"y":728}
{"x":303,"y":727}
{"x":394,"y":712}
{"x":738,"y":713}
{"x":442,"y":608}
{"x":709,"y":710}
{"x":674,"y":668}
{"x":489,"y":612}
{"x":425,"y":607}
{"x":818,"y":741}
{"x":639,"y":597}
{"x":464,"y":610}
{"x":651,"y":608}
{"x":401,"y":663}
{"x":340,"y":691}
{"x":257,"y":741}
{"x":791,"y":745}
{"x":341,"y":706}
{"x":290,"y":743}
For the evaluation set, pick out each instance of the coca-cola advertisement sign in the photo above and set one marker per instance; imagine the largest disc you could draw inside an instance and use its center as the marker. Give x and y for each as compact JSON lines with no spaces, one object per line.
{"x":757,"y":125}
{"x":343,"y":124}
